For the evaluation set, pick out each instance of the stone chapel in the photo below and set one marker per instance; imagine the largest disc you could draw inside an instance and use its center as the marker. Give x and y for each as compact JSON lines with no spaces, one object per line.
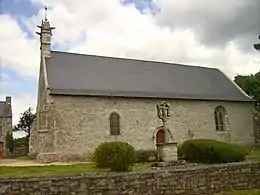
{"x":84,"y":100}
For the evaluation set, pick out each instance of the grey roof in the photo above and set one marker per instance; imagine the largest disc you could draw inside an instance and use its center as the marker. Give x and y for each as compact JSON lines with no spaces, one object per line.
{"x":5,"y":110}
{"x":77,"y":74}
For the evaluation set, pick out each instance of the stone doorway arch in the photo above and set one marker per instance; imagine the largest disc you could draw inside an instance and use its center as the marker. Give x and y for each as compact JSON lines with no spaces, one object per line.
{"x":160,"y":137}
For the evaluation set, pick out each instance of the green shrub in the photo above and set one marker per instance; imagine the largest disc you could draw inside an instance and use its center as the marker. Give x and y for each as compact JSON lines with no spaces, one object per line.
{"x":210,"y":151}
{"x":145,"y":156}
{"x":118,"y":156}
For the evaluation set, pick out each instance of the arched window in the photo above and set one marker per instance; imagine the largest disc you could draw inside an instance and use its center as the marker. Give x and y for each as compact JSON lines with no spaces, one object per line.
{"x":114,"y":124}
{"x":220,"y":114}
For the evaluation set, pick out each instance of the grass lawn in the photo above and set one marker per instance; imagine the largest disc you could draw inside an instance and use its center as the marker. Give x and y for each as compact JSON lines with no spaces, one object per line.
{"x":242,"y":192}
{"x":77,"y":169}
{"x":57,"y":170}
{"x":254,"y":154}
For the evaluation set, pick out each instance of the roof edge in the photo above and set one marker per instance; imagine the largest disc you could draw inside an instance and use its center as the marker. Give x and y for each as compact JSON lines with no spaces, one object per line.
{"x":135,"y":59}
{"x":93,"y":93}
{"x":239,"y":88}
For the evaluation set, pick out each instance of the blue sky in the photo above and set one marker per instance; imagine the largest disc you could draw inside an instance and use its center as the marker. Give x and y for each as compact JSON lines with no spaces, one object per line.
{"x":168,"y":30}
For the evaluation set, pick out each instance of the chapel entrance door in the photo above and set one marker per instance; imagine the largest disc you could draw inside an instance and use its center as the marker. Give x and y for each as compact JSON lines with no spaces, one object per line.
{"x":1,"y":150}
{"x":160,"y":137}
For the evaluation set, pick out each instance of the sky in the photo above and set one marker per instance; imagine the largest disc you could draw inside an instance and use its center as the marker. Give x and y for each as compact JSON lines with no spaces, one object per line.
{"x":202,"y":33}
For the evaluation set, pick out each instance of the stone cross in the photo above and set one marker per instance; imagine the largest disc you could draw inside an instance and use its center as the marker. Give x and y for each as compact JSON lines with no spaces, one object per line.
{"x":163,"y":112}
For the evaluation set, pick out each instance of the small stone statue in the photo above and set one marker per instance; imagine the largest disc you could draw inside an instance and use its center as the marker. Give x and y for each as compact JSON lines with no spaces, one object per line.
{"x":163,"y":112}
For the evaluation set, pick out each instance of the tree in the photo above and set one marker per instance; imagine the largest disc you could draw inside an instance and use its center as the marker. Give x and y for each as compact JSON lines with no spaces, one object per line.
{"x":251,"y":85}
{"x":25,"y":122}
{"x":9,"y":142}
{"x":257,"y":45}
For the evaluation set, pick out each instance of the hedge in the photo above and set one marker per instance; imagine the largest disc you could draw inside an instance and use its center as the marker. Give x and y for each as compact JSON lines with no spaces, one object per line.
{"x":210,"y":151}
{"x":145,"y":156}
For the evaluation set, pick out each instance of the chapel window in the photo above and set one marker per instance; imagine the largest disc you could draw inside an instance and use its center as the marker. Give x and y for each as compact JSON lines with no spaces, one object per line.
{"x":114,"y":124}
{"x":220,"y":117}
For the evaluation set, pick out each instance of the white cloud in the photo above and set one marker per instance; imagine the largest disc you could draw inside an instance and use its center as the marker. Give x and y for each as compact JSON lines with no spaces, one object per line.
{"x":9,"y":84}
{"x":17,"y":50}
{"x":3,"y":76}
{"x":20,"y":103}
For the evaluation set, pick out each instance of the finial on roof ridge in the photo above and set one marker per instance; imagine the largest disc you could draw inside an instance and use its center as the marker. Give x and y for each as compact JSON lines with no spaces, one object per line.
{"x":45,"y":16}
{"x":45,"y":35}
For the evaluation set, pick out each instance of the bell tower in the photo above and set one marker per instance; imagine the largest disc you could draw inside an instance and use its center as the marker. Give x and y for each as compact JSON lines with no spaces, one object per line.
{"x":45,"y":36}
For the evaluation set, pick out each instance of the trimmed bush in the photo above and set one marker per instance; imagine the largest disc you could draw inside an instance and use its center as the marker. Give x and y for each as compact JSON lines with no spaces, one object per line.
{"x":118,"y":156}
{"x":210,"y":151}
{"x":145,"y":156}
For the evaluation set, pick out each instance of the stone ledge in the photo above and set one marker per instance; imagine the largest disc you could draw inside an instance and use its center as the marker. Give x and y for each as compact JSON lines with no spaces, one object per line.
{"x":60,"y":157}
{"x":169,"y":163}
{"x":50,"y":157}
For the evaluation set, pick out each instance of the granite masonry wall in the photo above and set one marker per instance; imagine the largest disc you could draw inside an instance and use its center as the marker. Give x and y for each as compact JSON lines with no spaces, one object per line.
{"x":204,"y":180}
{"x":5,"y":127}
{"x":77,"y":124}
{"x":257,"y":129}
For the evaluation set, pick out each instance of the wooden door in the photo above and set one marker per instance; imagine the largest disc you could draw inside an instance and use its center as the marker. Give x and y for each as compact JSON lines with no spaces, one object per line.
{"x":1,"y":149}
{"x":160,"y":137}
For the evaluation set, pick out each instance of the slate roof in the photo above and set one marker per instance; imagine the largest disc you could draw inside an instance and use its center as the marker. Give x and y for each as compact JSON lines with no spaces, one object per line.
{"x":5,"y":110}
{"x":78,"y":74}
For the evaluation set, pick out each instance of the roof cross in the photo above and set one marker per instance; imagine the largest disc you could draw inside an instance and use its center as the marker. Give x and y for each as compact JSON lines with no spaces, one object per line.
{"x":45,"y":17}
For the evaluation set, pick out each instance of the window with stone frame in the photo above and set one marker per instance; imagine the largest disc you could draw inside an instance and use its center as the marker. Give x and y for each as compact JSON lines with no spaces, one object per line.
{"x":220,"y":115}
{"x":114,"y":124}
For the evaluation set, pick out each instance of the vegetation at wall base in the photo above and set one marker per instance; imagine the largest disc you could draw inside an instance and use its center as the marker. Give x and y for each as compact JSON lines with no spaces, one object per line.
{"x":142,"y":156}
{"x":211,"y":151}
{"x":254,"y":154}
{"x":118,"y":156}
{"x":9,"y":142}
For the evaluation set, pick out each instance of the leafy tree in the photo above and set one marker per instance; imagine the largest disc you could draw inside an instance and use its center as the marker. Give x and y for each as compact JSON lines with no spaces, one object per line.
{"x":25,"y":122}
{"x":257,"y":45}
{"x":9,"y":142}
{"x":251,"y":85}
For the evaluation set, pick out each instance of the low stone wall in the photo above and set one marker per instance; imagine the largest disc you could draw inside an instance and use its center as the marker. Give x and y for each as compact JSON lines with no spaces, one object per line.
{"x":203,"y":180}
{"x":257,"y":130}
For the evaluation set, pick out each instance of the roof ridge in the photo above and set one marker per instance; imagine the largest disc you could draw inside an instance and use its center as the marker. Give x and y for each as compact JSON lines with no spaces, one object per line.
{"x":135,"y":59}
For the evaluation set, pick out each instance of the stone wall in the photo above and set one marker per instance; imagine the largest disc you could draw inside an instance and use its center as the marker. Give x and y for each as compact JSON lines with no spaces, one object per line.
{"x":81,"y":123}
{"x":203,"y":180}
{"x":33,"y":139}
{"x":257,"y":129}
{"x":42,"y":129}
{"x":5,"y":126}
